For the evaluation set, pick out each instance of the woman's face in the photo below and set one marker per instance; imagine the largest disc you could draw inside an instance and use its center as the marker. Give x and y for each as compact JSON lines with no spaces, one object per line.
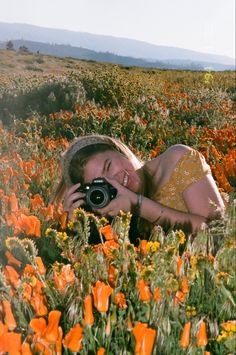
{"x":113,"y":165}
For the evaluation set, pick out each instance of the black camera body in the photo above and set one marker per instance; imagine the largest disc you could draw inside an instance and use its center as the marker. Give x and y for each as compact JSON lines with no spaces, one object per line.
{"x":99,"y":193}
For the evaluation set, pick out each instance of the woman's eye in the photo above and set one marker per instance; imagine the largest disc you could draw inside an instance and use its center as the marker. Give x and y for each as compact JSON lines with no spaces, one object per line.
{"x":108,"y":166}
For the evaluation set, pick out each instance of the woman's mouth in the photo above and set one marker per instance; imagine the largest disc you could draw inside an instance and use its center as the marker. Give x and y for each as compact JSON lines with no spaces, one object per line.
{"x":126,"y":179}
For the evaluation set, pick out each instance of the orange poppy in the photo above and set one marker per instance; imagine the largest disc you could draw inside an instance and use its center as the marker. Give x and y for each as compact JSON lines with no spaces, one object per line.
{"x":202,"y":334}
{"x":30,"y":225}
{"x":157,"y":294}
{"x":1,"y":193}
{"x":8,"y":315}
{"x":88,"y":310}
{"x":47,"y":334}
{"x":101,"y":293}
{"x":13,"y":202}
{"x":63,"y":220}
{"x":68,"y":273}
{"x":139,"y":265}
{"x":59,"y":341}
{"x":185,"y":288}
{"x":144,"y":337}
{"x":3,"y":328}
{"x":3,"y":332}
{"x":29,"y":270}
{"x":25,"y":349}
{"x":112,"y":273}
{"x":59,"y":282}
{"x":12,"y":260}
{"x":144,"y":291}
{"x":48,"y":211}
{"x":37,"y":285}
{"x":179,"y":263}
{"x":180,"y":297}
{"x":36,"y":202}
{"x":52,"y":332}
{"x":73,"y":340}
{"x":41,"y":268}
{"x":12,"y":276}
{"x":185,"y":337}
{"x":120,"y":300}
{"x":154,"y":153}
{"x":26,"y":291}
{"x":10,"y":343}
{"x":143,"y":246}
{"x":38,"y":325}
{"x":101,"y":351}
{"x":108,"y":232}
{"x":66,"y":277}
{"x":38,"y":303}
{"x":109,"y":246}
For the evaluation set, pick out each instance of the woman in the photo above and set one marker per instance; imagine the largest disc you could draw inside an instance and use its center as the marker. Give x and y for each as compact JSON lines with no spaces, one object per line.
{"x":176,"y":189}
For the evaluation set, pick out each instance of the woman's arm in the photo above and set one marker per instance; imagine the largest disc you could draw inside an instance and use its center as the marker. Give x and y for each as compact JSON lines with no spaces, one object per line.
{"x":150,"y":210}
{"x":202,"y":200}
{"x":159,"y":214}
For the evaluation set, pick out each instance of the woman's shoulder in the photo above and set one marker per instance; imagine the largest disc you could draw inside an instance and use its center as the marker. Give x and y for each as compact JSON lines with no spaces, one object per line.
{"x":161,"y":167}
{"x":176,"y":151}
{"x":167,"y":159}
{"x":187,"y":160}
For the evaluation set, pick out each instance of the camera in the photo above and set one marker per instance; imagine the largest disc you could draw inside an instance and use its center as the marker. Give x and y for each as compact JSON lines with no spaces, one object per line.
{"x":99,"y":193}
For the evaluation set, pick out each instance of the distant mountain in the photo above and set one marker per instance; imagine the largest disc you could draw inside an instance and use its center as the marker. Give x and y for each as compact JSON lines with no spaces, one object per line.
{"x":112,"y":48}
{"x":61,"y":50}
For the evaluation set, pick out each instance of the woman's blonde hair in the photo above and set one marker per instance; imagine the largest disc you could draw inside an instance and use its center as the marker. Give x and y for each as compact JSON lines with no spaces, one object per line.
{"x":80,"y":152}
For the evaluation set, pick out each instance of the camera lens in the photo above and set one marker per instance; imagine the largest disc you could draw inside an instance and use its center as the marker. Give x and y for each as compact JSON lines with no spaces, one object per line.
{"x":97,"y":197}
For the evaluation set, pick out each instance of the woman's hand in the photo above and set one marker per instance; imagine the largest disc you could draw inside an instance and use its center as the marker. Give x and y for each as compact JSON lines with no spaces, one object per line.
{"x":73,"y":199}
{"x":124,"y":201}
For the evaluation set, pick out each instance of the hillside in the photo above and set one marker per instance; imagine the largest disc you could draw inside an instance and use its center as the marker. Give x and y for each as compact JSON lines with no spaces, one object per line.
{"x":66,"y":51}
{"x":111,"y":49}
{"x":15,"y":63}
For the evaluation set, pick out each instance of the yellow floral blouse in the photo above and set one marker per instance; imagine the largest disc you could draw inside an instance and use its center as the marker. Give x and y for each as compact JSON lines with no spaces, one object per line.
{"x":190,"y":168}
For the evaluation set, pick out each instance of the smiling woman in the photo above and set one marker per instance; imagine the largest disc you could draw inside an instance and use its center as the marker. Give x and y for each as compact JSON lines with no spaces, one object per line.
{"x":176,"y":189}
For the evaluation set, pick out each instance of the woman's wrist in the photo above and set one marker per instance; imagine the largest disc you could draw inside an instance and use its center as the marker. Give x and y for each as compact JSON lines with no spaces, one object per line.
{"x":137,"y":206}
{"x":148,"y":209}
{"x":160,"y":215}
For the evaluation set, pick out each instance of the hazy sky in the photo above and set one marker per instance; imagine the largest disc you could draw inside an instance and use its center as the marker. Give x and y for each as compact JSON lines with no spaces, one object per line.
{"x":202,"y":25}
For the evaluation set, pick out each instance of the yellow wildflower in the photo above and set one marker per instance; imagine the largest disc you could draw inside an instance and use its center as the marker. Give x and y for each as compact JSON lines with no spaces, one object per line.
{"x":193,"y":261}
{"x":221,"y":276}
{"x":62,"y":236}
{"x":153,"y":246}
{"x":223,"y":335}
{"x":50,"y":232}
{"x":191,"y":311}
{"x":230,"y":243}
{"x":180,"y":234}
{"x":208,"y":78}
{"x":70,"y":225}
{"x":104,"y":221}
{"x":229,"y":326}
{"x":75,"y":212}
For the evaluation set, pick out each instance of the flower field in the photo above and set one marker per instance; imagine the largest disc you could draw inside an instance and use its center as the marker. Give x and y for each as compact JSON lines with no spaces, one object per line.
{"x":61,"y":294}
